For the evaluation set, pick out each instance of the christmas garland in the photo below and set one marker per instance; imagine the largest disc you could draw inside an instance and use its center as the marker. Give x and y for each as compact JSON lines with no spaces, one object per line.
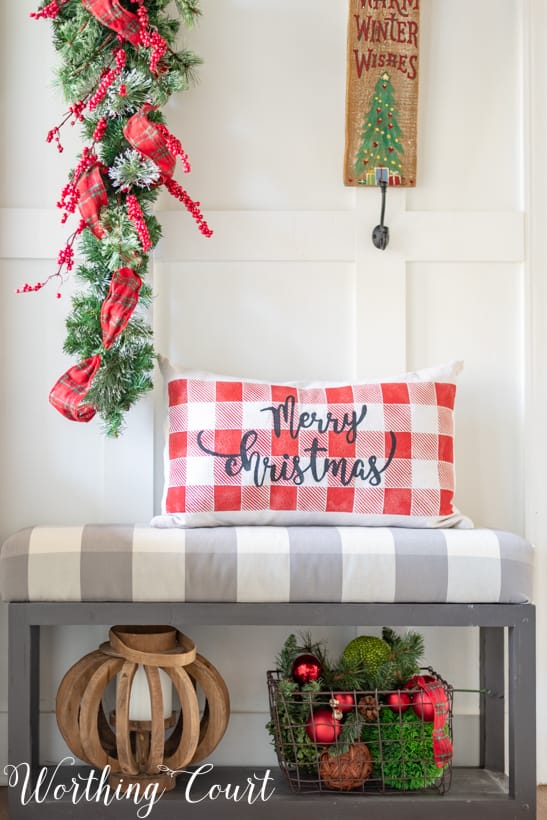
{"x":118,"y":67}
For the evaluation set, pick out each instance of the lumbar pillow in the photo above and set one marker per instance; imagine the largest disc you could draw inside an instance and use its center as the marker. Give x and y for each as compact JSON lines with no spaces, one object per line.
{"x":245,"y":452}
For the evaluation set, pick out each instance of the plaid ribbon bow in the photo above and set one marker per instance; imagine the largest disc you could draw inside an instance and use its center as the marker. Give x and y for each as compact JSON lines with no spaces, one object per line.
{"x":112,"y":15}
{"x":146,"y":137}
{"x":92,"y":197}
{"x":68,"y":392}
{"x":442,"y":745}
{"x":119,"y":305}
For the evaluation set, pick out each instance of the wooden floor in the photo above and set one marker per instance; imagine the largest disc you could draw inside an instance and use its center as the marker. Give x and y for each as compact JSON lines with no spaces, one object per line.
{"x":541,"y":815}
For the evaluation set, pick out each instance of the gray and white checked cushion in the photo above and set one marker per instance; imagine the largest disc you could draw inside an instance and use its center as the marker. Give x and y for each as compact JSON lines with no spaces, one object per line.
{"x":265,"y":564}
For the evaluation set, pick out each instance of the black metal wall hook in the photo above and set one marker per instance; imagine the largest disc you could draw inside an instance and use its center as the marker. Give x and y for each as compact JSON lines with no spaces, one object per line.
{"x":380,"y":234}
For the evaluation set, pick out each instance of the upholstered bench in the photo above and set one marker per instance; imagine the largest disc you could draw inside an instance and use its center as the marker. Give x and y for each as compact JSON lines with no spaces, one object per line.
{"x":288,"y":575}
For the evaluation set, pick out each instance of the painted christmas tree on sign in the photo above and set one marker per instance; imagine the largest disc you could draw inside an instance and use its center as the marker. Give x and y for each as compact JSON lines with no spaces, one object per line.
{"x":380,"y":155}
{"x":382,"y":92}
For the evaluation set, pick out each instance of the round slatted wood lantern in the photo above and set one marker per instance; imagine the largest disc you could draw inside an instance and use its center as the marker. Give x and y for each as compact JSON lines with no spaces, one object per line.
{"x":144,"y":741}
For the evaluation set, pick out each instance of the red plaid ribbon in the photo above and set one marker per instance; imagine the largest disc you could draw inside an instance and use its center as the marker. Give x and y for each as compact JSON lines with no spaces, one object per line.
{"x":442,"y":745}
{"x":119,"y":305}
{"x":112,"y":15}
{"x":147,"y":138}
{"x":68,"y":393}
{"x":92,"y":197}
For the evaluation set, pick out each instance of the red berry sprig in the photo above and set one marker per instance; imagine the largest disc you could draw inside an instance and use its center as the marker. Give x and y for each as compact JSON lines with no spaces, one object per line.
{"x":107,"y":79}
{"x":49,"y":12}
{"x":150,"y":38}
{"x":27,"y":288}
{"x":77,"y":111}
{"x":54,"y":135}
{"x":65,"y":259}
{"x":158,"y":49}
{"x":136,"y":215}
{"x":68,"y":201}
{"x":100,"y":130}
{"x":70,"y":194}
{"x":175,"y":147}
{"x":176,"y":190}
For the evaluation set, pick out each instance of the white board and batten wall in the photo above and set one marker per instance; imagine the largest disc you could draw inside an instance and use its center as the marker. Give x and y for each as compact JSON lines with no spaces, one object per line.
{"x":292,"y":287}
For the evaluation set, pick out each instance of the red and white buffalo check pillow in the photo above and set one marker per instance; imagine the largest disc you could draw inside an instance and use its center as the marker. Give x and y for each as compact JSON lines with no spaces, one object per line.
{"x":246,"y":452}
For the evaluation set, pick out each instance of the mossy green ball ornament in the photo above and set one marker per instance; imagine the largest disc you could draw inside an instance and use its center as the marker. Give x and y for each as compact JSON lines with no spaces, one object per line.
{"x":367,"y":651}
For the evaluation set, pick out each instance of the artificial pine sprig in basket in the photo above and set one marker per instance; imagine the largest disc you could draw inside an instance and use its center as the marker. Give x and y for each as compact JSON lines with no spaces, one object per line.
{"x":118,"y":66}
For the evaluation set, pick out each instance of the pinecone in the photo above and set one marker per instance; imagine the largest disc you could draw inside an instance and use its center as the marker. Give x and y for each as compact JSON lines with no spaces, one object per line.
{"x":368,"y":708}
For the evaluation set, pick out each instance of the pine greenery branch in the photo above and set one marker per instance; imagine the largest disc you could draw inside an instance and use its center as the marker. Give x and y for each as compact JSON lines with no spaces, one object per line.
{"x":286,"y":656}
{"x":406,"y":654}
{"x":346,"y":675}
{"x":189,"y":11}
{"x":88,"y":52}
{"x":351,"y":732}
{"x":294,"y":706}
{"x":131,"y":168}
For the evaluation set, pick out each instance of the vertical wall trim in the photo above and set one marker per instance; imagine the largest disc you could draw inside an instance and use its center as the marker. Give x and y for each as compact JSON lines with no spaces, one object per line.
{"x":535,"y":125}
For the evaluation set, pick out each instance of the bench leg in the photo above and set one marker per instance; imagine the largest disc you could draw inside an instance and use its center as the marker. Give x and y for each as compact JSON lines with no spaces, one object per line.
{"x":522,"y":711}
{"x":492,"y":706}
{"x":24,"y":699}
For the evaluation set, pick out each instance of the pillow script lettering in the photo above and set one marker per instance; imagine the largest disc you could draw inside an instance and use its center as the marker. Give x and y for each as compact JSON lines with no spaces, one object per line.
{"x":294,"y":469}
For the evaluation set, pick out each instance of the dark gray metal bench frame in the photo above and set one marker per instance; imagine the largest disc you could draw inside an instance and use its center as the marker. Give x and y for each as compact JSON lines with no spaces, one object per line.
{"x":478,"y":794}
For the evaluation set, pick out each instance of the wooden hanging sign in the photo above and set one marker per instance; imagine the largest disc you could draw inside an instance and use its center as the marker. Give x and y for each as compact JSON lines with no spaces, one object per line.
{"x":382,"y":92}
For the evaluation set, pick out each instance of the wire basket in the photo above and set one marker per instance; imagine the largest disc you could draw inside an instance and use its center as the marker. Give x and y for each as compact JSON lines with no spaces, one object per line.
{"x":370,"y":741}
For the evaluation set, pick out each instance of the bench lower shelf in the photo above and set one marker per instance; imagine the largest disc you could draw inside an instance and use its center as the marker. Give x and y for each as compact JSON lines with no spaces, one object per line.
{"x":506,"y":673}
{"x":475,"y":793}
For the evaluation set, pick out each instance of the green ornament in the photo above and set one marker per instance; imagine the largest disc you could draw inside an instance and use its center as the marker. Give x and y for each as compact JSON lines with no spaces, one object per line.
{"x":369,"y":652}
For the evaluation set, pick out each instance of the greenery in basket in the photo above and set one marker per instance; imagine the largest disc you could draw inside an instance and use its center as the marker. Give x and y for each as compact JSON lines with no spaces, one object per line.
{"x":293,"y":704}
{"x":398,"y":663}
{"x":392,"y":661}
{"x":405,"y":746}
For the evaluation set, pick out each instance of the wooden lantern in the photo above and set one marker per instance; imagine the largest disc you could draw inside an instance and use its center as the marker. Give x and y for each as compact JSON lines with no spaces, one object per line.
{"x":142,"y":751}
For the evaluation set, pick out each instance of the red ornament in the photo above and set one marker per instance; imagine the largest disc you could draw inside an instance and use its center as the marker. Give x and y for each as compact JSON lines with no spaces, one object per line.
{"x":424,"y":702}
{"x":322,"y":727}
{"x":306,"y":668}
{"x":416,"y":680}
{"x":378,"y":110}
{"x":384,"y":85}
{"x":379,"y":119}
{"x":390,"y":149}
{"x":424,"y":707}
{"x":390,"y":125}
{"x":343,"y":701}
{"x":398,"y":701}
